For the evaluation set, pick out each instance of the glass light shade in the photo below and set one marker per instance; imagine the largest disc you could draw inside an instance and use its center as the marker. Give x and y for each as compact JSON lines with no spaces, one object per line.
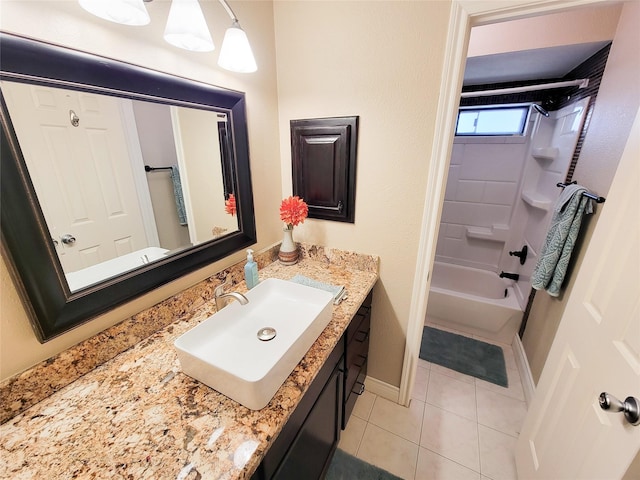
{"x":126,"y":12}
{"x":186,"y":27}
{"x":235,"y":53}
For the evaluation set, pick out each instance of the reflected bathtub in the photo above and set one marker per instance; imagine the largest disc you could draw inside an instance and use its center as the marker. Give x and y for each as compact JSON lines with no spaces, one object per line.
{"x":473,"y":301}
{"x":110,"y":268}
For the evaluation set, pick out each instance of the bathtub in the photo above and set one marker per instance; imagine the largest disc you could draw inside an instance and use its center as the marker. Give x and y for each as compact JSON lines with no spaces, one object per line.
{"x":473,"y":301}
{"x":110,"y":268}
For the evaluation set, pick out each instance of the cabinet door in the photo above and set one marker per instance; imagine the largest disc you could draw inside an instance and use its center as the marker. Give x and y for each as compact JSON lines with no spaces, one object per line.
{"x":323,"y":155}
{"x":311,"y":451}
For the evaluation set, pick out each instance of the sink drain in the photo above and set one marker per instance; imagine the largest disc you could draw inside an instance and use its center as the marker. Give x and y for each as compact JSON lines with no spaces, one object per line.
{"x":266,"y":333}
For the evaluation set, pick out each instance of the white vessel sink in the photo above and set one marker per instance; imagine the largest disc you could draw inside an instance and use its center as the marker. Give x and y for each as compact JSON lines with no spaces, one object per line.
{"x":225,"y":353}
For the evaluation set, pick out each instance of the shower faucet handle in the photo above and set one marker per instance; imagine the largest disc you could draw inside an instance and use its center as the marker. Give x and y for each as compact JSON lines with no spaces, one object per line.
{"x":522,"y":254}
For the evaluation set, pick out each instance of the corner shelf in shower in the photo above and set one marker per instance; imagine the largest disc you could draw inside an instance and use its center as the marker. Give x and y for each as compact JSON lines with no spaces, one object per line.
{"x":545,"y":153}
{"x":536,"y":200}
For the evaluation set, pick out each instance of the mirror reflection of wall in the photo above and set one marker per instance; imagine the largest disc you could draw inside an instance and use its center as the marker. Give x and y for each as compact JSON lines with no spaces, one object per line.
{"x":86,"y":154}
{"x":199,"y":158}
{"x":153,"y":122}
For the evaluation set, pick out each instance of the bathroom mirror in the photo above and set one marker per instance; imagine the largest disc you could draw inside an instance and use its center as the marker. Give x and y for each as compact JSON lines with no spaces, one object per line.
{"x":188,"y":137}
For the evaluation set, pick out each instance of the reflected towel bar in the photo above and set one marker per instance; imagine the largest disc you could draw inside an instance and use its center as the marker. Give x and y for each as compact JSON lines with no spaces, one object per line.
{"x":586,"y":194}
{"x":147,"y":168}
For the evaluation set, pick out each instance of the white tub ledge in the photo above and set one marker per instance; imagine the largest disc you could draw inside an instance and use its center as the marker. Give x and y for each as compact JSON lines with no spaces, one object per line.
{"x":110,"y":268}
{"x":495,"y":233}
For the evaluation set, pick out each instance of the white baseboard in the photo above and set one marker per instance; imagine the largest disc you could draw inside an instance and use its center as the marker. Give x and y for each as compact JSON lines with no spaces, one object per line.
{"x":528,"y":385}
{"x":382,"y":389}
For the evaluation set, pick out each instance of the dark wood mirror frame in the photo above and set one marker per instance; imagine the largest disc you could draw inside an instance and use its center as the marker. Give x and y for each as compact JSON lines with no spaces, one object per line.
{"x":26,"y":244}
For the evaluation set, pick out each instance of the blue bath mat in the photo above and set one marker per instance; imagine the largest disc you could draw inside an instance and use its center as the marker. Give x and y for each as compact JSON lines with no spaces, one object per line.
{"x":465,"y":355}
{"x":347,"y":467}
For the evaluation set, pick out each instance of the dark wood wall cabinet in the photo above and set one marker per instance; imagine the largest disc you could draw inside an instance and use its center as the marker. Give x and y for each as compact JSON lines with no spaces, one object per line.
{"x":323,"y":155}
{"x":306,"y":444}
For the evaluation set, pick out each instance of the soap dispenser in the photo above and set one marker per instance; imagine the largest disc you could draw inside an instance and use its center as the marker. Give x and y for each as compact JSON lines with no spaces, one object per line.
{"x":251,"y":270}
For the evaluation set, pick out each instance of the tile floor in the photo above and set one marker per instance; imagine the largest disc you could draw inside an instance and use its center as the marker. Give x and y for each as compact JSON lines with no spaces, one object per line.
{"x":457,"y":427}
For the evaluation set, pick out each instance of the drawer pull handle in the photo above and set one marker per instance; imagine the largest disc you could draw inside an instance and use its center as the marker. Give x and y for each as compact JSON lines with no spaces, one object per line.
{"x":363,"y":360}
{"x":361,"y":336}
{"x":360,"y":391}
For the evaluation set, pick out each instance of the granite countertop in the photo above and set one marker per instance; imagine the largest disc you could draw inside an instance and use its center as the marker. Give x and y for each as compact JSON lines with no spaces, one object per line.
{"x":138,"y":416}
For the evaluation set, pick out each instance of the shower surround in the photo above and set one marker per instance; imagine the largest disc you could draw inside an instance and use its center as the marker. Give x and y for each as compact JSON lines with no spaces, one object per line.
{"x":499,"y":199}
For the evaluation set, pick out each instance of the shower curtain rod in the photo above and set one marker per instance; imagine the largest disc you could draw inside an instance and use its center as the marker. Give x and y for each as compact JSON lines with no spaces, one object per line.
{"x":582,"y":83}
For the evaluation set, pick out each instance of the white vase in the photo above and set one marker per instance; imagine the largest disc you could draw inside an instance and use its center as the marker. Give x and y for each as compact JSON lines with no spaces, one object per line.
{"x":288,"y":254}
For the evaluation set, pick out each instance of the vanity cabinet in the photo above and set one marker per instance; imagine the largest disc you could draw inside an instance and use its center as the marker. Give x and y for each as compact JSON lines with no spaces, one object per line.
{"x":304,"y":448}
{"x":307,"y":441}
{"x":356,"y":347}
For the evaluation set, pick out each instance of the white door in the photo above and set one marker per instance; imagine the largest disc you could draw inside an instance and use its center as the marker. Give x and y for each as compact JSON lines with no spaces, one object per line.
{"x":82,"y":174}
{"x":566,"y":435}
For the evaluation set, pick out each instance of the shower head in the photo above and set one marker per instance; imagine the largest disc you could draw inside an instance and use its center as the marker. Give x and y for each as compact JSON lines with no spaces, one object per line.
{"x":540,"y":110}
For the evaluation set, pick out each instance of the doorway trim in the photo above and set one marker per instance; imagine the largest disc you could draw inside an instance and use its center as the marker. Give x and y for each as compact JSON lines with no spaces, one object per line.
{"x":464,"y":15}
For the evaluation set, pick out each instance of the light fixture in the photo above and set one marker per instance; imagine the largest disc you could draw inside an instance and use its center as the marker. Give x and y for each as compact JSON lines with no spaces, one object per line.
{"x":126,"y":12}
{"x":236,"y":54}
{"x":186,"y":27}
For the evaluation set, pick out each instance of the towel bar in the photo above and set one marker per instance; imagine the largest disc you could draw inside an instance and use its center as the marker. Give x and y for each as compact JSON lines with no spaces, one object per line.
{"x":147,"y":168}
{"x":586,"y":194}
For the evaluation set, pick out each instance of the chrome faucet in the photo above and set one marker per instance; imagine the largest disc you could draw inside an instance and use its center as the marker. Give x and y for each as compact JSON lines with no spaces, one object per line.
{"x":222,"y":298}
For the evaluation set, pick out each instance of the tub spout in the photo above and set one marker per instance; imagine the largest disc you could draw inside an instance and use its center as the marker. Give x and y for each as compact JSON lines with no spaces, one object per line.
{"x":512,"y":276}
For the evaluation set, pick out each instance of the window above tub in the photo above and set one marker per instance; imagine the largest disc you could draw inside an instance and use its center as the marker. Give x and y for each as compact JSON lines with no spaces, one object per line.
{"x":494,"y":120}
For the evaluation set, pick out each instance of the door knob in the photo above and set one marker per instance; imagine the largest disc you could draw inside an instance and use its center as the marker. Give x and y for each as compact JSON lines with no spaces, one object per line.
{"x":630,"y":407}
{"x":68,"y":239}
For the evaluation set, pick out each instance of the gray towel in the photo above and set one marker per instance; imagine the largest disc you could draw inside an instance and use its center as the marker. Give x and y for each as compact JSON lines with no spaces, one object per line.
{"x":567,"y":194}
{"x":177,"y":193}
{"x":556,"y":251}
{"x":339,"y":292}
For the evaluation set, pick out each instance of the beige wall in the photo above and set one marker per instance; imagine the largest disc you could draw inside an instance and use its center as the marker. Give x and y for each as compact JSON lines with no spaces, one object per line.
{"x":201,"y":173}
{"x":383,"y":62}
{"x":616,"y":106}
{"x":65,"y":23}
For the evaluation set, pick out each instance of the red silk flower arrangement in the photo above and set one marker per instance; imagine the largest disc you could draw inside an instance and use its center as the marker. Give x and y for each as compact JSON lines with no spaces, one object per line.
{"x":293,"y":211}
{"x":230,"y":205}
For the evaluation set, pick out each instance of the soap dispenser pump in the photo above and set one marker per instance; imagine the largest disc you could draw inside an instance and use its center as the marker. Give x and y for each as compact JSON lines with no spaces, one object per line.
{"x":251,"y":270}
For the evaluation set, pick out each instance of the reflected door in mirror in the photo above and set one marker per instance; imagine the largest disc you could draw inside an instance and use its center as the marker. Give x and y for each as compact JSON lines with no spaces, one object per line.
{"x":120,"y":177}
{"x":80,"y":169}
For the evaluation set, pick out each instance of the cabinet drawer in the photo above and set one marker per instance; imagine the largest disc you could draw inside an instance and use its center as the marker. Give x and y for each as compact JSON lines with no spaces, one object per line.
{"x":363,"y":313}
{"x":351,"y":395}
{"x":356,"y":346}
{"x":354,"y":326}
{"x":358,"y":349}
{"x":351,"y":377}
